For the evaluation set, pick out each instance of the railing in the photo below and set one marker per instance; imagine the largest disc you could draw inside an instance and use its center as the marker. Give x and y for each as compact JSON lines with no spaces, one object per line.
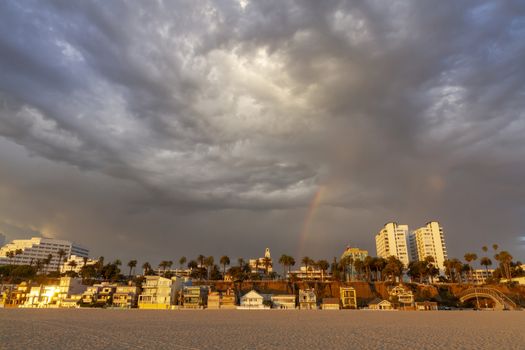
{"x":494,"y":294}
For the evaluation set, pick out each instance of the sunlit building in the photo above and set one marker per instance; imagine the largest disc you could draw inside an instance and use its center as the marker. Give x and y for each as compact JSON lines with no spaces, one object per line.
{"x":259,"y":265}
{"x":391,"y":240}
{"x":126,"y":297}
{"x":159,"y":292}
{"x":429,"y":241}
{"x":348,"y":297}
{"x":75,"y":263}
{"x":351,"y":254}
{"x":40,"y":248}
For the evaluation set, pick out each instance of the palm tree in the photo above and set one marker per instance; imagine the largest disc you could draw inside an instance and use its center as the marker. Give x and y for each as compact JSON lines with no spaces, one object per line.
{"x":200,"y":259}
{"x":72,"y":264}
{"x":61,"y":253}
{"x":267,"y":263}
{"x":47,"y":261}
{"x":283,"y":260}
{"x":505,"y":259}
{"x":484,"y":248}
{"x":495,"y":247}
{"x":306,"y":261}
{"x":146,"y":267}
{"x":208,"y":262}
{"x":162,"y":265}
{"x":182,"y":261}
{"x":131,"y":265}
{"x":85,"y":260}
{"x":240,"y":262}
{"x":192,"y":264}
{"x":323,"y":266}
{"x":225,"y":260}
{"x":291,"y":262}
{"x":485,"y":261}
{"x":470,"y":257}
{"x":368,"y":262}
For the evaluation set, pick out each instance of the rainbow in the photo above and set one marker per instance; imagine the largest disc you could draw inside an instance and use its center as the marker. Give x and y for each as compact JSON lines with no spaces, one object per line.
{"x":310,"y":214}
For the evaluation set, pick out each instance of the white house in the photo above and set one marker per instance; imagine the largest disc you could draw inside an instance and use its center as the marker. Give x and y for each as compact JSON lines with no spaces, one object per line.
{"x":252,"y":300}
{"x":283,"y":301}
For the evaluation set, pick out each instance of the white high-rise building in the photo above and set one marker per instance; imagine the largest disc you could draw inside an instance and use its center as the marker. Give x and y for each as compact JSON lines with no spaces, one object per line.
{"x":392,"y":241}
{"x":429,"y":241}
{"x":39,"y":248}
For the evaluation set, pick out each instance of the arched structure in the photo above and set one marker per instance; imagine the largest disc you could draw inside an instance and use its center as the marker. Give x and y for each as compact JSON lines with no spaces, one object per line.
{"x":501,"y":301}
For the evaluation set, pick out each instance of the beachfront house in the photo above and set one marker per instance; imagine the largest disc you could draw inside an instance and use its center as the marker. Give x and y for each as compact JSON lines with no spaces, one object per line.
{"x":307,"y":299}
{"x":224,"y":300}
{"x":348,"y":297}
{"x":195,"y":297}
{"x":283,"y":301}
{"x":378,"y":304}
{"x":126,"y":297}
{"x":252,"y":300}
{"x":158,"y":292}
{"x":330,"y":304}
{"x":426,"y":306}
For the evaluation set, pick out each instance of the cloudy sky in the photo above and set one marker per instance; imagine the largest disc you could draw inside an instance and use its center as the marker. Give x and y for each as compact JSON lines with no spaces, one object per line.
{"x":155,"y":129}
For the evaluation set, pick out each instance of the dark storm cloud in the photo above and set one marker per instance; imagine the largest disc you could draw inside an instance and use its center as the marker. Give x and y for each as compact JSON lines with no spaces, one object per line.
{"x":214,"y":120}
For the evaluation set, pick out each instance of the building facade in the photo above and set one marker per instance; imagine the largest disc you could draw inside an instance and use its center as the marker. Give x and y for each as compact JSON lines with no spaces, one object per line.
{"x":75,"y":263}
{"x":391,"y":240}
{"x":39,"y":248}
{"x":259,"y":265}
{"x":352,"y":254}
{"x":429,"y":241}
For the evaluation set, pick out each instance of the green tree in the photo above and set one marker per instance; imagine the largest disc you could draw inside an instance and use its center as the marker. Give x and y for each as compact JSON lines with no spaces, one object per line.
{"x":267,"y":263}
{"x":469,"y":258}
{"x":485,"y":261}
{"x":306,"y":261}
{"x":146,"y":268}
{"x":61,"y":253}
{"x":131,"y":264}
{"x":323,"y":266}
{"x":182,"y":261}
{"x":225,"y":261}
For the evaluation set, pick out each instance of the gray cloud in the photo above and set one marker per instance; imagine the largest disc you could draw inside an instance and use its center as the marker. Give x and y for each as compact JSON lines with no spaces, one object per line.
{"x":183,"y":125}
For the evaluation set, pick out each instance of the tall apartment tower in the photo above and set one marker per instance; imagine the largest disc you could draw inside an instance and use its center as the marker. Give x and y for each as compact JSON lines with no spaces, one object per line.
{"x":392,"y":241}
{"x":429,"y":241}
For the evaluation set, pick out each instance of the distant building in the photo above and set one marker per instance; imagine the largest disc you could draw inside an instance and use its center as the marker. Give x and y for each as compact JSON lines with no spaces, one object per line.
{"x":348,"y":297}
{"x":402,"y":295}
{"x":218,"y":300}
{"x":75,"y":263}
{"x":283,"y":301}
{"x":195,"y":297}
{"x":39,"y":248}
{"x":429,"y":241}
{"x":480,"y":276}
{"x":159,"y":292}
{"x":330,"y":304}
{"x":252,"y":300}
{"x":100,"y":294}
{"x":313,"y":273}
{"x":18,"y":296}
{"x":258,"y":265}
{"x":353,"y":254}
{"x":391,"y":240}
{"x":126,"y":297}
{"x":378,"y":304}
{"x":307,"y":299}
{"x":426,"y":306}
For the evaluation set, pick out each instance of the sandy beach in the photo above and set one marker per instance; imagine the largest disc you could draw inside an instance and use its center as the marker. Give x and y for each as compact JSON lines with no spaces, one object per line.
{"x":235,"y":329}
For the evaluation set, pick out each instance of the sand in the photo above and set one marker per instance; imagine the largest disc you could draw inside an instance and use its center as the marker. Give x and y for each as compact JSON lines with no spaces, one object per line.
{"x":236,"y":329}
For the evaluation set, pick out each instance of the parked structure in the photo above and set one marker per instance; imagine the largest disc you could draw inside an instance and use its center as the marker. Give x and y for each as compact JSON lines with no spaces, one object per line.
{"x":283,"y":301}
{"x":39,"y":248}
{"x":307,"y":299}
{"x":348,"y":297}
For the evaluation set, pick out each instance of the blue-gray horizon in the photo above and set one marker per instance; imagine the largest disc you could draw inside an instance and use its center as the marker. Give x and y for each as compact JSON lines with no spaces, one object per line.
{"x":161,"y":129}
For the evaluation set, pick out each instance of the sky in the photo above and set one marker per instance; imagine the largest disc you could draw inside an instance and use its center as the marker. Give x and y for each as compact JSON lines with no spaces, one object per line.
{"x":157,"y":129}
